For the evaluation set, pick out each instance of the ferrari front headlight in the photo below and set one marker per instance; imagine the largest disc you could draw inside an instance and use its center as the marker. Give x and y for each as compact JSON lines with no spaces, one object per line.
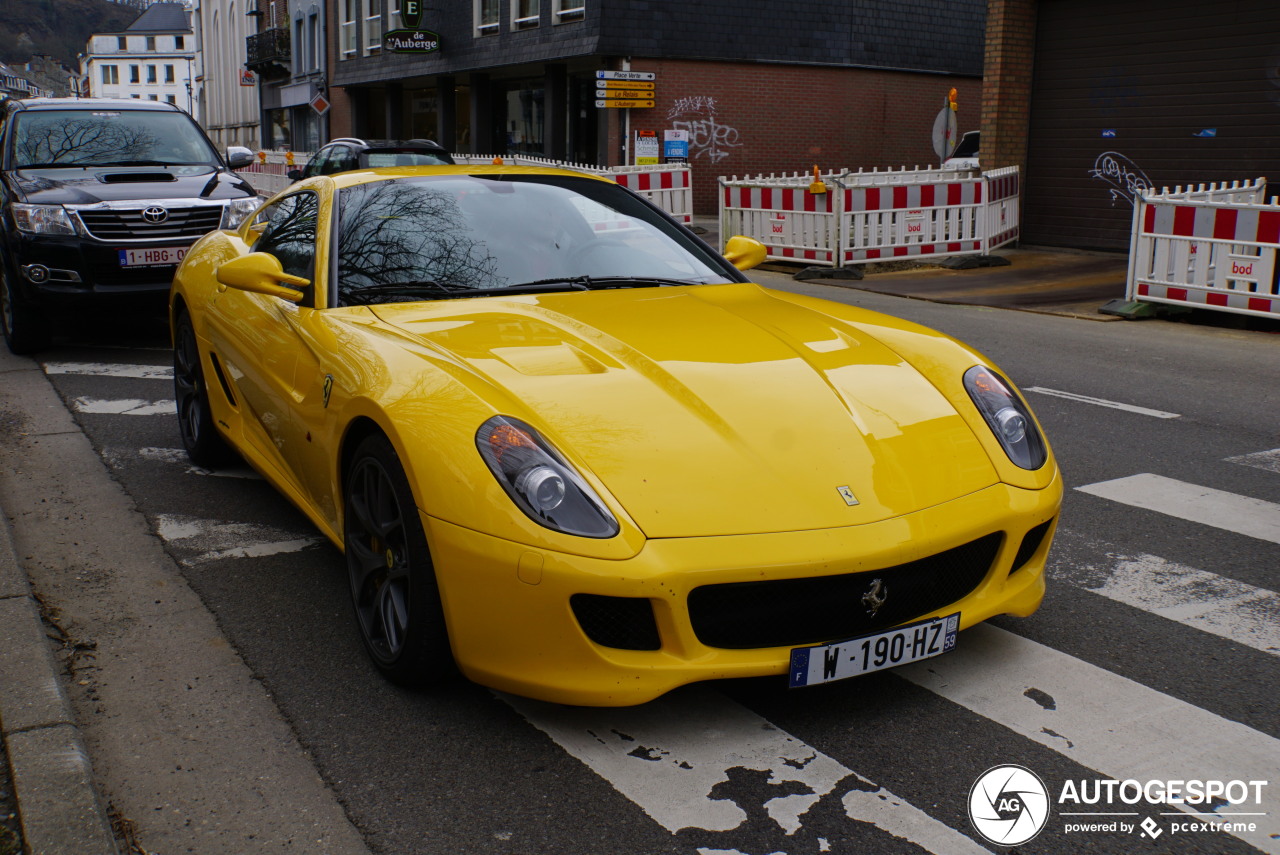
{"x":238,"y":210}
{"x":540,"y":481}
{"x":43,"y":219}
{"x":1009,"y":418}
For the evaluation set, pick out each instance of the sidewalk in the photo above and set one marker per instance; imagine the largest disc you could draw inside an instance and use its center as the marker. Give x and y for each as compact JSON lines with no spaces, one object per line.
{"x":1056,"y":281}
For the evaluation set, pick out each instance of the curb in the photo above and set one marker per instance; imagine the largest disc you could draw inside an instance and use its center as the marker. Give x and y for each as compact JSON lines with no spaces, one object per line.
{"x":58,"y":805}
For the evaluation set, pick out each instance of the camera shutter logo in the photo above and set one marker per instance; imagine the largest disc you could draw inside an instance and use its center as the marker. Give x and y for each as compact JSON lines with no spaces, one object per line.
{"x":1008,"y":805}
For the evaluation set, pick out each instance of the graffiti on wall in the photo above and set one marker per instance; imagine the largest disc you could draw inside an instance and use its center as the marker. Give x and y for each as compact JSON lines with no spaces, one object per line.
{"x":1126,"y":178}
{"x":709,"y":138}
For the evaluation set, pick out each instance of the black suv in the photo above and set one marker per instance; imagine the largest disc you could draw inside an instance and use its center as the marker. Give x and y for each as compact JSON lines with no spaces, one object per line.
{"x":347,"y":153}
{"x":100,"y":200}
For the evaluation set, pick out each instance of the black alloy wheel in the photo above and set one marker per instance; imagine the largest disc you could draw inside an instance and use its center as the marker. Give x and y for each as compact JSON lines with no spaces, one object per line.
{"x":393,"y":583}
{"x":200,"y":436}
{"x":25,"y":328}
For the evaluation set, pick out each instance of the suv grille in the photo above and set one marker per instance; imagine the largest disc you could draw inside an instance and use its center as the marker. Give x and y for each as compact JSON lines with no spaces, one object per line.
{"x":116,"y":224}
{"x":789,"y":612}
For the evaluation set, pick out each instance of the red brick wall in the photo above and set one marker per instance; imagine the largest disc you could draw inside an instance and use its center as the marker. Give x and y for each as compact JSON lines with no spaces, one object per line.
{"x":1010,"y":56}
{"x":748,"y":119}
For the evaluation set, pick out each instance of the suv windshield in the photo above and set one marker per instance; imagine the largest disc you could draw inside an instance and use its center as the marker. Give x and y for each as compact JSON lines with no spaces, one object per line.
{"x":108,"y":138}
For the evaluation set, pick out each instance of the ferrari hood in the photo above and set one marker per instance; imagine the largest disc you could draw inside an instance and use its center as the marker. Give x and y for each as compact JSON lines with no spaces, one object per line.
{"x":715,"y":409}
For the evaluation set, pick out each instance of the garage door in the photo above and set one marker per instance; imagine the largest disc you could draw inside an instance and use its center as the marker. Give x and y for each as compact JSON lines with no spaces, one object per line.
{"x":1134,"y":95}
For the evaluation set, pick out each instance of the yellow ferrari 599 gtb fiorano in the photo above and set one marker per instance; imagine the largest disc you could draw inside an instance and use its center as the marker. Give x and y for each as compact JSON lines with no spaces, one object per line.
{"x":568,"y":449}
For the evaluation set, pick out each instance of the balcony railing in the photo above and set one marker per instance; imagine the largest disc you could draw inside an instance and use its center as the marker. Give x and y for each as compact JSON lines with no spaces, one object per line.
{"x":268,"y":52}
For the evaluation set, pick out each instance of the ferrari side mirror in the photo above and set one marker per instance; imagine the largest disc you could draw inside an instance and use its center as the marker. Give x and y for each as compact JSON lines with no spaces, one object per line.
{"x":261,"y":273}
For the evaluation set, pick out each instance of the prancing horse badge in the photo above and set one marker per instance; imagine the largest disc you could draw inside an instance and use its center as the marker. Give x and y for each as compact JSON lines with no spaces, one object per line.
{"x":847,"y":495}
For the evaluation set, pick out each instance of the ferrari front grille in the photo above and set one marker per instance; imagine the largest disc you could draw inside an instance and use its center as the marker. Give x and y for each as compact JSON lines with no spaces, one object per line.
{"x":790,"y":612}
{"x":1030,"y":544}
{"x":117,"y":224}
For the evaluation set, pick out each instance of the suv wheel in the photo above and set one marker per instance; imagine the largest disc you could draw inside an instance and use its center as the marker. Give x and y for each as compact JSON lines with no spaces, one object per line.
{"x":25,"y":328}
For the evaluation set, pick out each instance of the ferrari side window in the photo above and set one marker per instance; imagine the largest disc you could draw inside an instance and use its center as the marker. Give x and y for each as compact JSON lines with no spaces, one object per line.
{"x":290,"y":233}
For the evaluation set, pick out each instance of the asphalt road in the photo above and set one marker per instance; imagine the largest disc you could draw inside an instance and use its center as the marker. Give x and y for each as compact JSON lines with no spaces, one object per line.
{"x":245,"y":718}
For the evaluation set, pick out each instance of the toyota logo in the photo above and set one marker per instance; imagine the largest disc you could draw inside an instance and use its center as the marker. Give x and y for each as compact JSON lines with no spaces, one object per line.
{"x":155,"y":214}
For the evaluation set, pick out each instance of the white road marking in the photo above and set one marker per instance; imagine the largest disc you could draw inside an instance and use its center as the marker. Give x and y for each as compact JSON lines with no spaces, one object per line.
{"x":1197,"y":598}
{"x":207,"y":540}
{"x":1228,"y":511}
{"x":1267,"y":460}
{"x":123,"y":407}
{"x":1101,"y":720}
{"x":117,"y":457}
{"x":1102,"y":402}
{"x":667,"y":756}
{"x":109,"y":369}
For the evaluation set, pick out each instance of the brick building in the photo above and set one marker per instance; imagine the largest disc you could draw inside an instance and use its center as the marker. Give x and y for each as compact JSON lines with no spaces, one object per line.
{"x":758,"y":86}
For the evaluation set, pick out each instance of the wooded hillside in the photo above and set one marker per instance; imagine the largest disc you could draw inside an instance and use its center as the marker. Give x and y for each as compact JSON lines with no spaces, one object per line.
{"x":59,"y":28}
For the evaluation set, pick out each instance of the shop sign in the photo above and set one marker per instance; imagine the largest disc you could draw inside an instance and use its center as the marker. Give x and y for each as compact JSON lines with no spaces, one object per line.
{"x":248,"y":78}
{"x":411,"y":41}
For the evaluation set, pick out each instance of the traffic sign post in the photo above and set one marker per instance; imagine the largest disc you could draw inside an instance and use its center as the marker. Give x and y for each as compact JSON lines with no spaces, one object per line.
{"x":626,"y":75}
{"x":624,"y":102}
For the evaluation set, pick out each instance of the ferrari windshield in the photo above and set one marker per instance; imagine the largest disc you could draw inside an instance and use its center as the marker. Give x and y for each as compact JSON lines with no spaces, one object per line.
{"x":458,"y":235}
{"x":108,"y":138}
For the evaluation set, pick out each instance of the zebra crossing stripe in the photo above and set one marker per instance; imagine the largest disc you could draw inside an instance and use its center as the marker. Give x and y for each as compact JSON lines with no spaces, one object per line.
{"x":117,"y":457}
{"x":1228,"y":511}
{"x":674,"y":756}
{"x":1108,"y":723}
{"x":1268,"y":461}
{"x":108,"y":369}
{"x":208,"y":540}
{"x":1197,"y":598}
{"x":123,"y":407}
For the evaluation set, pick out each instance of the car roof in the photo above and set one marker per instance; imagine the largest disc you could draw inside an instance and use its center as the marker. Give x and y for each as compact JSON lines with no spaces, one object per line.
{"x":375,"y":145}
{"x":355,"y":177}
{"x":90,"y":104}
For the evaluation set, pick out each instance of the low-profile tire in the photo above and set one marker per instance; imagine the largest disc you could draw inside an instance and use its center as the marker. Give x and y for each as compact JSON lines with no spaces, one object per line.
{"x":25,"y":328}
{"x":393,"y":581}
{"x":200,"y":437}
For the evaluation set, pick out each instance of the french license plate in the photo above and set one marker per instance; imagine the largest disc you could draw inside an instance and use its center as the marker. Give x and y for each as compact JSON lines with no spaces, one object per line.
{"x":889,"y":649}
{"x":154,"y":257}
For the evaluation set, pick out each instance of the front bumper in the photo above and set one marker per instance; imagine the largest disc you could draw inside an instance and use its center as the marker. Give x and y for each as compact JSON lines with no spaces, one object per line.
{"x":513,"y":628}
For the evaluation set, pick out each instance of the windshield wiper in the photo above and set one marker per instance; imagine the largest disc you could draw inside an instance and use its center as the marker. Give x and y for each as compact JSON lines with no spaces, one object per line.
{"x":599,"y":282}
{"x":417,"y":288}
{"x":136,"y":163}
{"x":444,"y":290}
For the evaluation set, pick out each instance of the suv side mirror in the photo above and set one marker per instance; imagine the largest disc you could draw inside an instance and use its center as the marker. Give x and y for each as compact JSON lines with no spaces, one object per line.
{"x":294,"y":174}
{"x":238,"y":157}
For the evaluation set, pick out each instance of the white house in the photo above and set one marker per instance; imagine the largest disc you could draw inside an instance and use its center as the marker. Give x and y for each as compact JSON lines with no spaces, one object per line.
{"x":229,"y":92}
{"x":153,"y":59}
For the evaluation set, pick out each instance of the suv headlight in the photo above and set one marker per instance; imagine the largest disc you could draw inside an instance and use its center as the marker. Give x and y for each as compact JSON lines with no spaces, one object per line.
{"x":539,"y":480}
{"x":1009,"y":418}
{"x":238,"y":210}
{"x":43,"y":219}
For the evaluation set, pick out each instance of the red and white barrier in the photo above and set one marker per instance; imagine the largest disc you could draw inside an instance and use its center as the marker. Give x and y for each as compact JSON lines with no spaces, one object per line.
{"x":1207,"y":254}
{"x":873,"y":216}
{"x":667,"y":185}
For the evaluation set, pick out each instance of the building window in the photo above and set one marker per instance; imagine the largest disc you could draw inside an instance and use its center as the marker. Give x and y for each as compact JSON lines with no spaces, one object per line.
{"x":486,"y":17}
{"x":314,"y":43}
{"x":179,"y":43}
{"x":172,"y":99}
{"x":348,"y":28}
{"x":151,"y":74}
{"x":569,"y":10}
{"x":168,"y":74}
{"x":524,"y":14}
{"x":372,"y":25}
{"x":110,"y":74}
{"x":153,"y":97}
{"x":151,"y":43}
{"x":122,"y":43}
{"x":135,"y":74}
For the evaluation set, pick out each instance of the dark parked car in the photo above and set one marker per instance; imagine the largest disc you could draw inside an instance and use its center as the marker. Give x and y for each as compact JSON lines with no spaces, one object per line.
{"x":347,"y":153}
{"x":101,"y":199}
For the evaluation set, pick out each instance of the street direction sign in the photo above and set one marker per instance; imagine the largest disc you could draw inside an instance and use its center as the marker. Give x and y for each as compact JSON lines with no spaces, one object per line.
{"x":623,"y":93}
{"x":626,"y":75}
{"x":624,"y":84}
{"x":624,"y":102}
